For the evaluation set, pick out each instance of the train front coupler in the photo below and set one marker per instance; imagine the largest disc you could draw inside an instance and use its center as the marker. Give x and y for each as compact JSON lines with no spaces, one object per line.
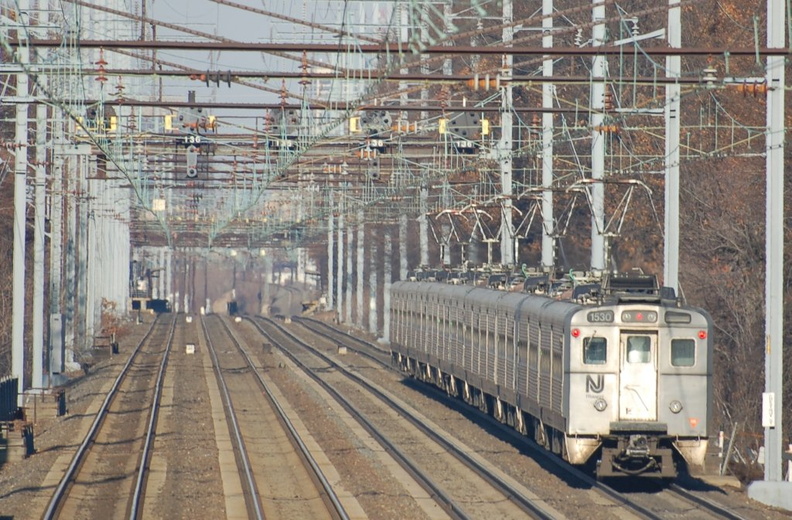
{"x":636,"y":456}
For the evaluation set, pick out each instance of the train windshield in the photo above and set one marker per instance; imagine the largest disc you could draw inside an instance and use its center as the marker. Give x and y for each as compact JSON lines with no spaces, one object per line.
{"x":595,"y":351}
{"x":683,"y":352}
{"x":638,"y":349}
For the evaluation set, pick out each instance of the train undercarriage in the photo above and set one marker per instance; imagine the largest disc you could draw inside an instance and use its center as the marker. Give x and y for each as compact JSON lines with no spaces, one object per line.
{"x":636,"y":455}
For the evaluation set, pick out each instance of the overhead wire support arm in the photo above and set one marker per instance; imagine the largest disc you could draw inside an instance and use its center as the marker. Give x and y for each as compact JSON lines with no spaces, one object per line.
{"x":605,"y":50}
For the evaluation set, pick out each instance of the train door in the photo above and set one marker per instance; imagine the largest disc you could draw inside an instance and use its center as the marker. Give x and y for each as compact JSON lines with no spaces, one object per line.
{"x":638,"y":377}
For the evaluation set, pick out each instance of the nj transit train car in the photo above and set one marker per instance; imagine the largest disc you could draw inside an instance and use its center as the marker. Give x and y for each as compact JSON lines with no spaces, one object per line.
{"x":623,"y":381}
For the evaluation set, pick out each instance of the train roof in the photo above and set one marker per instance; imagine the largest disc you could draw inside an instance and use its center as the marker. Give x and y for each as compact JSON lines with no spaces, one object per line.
{"x":519,"y":302}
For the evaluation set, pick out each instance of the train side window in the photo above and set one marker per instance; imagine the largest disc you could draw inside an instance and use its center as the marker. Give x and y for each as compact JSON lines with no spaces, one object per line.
{"x":595,"y":351}
{"x":683,"y":352}
{"x":638,"y":349}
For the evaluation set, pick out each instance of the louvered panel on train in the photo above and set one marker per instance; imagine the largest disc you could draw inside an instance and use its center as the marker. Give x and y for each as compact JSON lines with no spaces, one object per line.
{"x":426,"y":328}
{"x":489,"y":348}
{"x":449,"y":331}
{"x":479,"y":338}
{"x":499,"y":373}
{"x":441,"y":314}
{"x":511,"y":363}
{"x":436,"y":327}
{"x":533,"y":361}
{"x":510,"y":352}
{"x":500,"y":363}
{"x":462,"y":335}
{"x":557,"y":381}
{"x":522,"y":365}
{"x":452,"y":328}
{"x":446,"y":332}
{"x":405,"y":317}
{"x":467,"y":356}
{"x":544,"y":376}
{"x":431,"y":325}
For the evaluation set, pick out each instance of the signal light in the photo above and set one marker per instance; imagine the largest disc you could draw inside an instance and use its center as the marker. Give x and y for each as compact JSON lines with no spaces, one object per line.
{"x":607,"y":129}
{"x":608,"y":101}
{"x":702,"y":334}
{"x":575,"y":333}
{"x":213,"y":77}
{"x":404,"y":126}
{"x":484,"y":83}
{"x":367,"y":154}
{"x":752,"y":88}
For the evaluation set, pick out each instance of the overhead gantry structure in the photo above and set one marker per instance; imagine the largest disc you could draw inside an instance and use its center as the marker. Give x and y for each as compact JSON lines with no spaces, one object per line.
{"x":418,"y":132}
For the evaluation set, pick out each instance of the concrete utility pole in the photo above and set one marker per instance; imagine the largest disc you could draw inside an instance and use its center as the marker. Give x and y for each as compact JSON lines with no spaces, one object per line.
{"x":402,"y":245}
{"x":37,"y":380}
{"x":56,"y":329}
{"x":77,"y":159}
{"x":423,"y":222}
{"x":599,"y":69}
{"x":361,"y":260}
{"x":80,"y":231}
{"x":372,"y":292}
{"x":350,"y":236}
{"x":548,"y":96}
{"x":672,"y":125}
{"x":387,"y":274}
{"x":20,"y":205}
{"x":330,"y":255}
{"x":505,"y":143}
{"x":773,"y":490}
{"x":340,"y":265}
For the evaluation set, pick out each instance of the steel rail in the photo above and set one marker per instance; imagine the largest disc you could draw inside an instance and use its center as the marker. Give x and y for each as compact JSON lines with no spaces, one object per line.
{"x":250,"y":480}
{"x":542,"y":453}
{"x":445,"y":502}
{"x":514,"y":495}
{"x":314,"y":325}
{"x":138,"y":496}
{"x":295,"y":436}
{"x":709,"y":505}
{"x":60,"y":491}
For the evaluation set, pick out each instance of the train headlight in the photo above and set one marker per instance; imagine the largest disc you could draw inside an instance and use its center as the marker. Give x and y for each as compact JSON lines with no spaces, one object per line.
{"x":675,"y":406}
{"x":600,"y":404}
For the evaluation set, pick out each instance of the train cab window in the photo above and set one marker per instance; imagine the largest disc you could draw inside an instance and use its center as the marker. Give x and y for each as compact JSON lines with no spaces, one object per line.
{"x":595,"y":351}
{"x":683,"y":352}
{"x":638,"y":349}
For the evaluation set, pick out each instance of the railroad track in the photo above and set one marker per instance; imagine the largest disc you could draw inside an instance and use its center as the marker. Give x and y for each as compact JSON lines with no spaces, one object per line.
{"x":648,"y":509}
{"x":277,"y":466}
{"x":471,"y":488}
{"x":118,"y":445}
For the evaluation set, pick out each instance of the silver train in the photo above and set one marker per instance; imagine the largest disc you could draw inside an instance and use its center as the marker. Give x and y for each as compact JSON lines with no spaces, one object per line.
{"x":617,"y":374}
